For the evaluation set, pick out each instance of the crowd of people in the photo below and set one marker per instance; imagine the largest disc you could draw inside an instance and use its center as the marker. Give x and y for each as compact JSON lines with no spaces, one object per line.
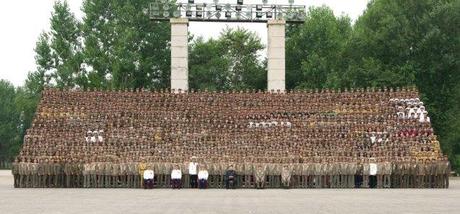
{"x":234,"y":139}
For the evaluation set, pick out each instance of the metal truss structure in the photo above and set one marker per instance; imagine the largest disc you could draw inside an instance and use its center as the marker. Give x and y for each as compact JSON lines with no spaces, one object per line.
{"x":162,"y":10}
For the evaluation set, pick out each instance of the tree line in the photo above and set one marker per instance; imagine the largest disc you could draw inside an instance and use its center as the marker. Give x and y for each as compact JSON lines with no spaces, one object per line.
{"x":393,"y":43}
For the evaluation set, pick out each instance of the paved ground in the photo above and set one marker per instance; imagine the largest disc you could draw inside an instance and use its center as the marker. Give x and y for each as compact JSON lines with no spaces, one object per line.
{"x":227,"y":201}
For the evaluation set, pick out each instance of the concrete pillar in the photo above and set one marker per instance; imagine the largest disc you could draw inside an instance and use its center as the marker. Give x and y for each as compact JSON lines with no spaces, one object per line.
{"x":276,"y":55}
{"x":179,"y":54}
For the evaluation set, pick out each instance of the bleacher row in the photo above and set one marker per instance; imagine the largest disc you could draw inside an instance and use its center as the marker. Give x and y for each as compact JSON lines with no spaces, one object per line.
{"x":320,"y":139}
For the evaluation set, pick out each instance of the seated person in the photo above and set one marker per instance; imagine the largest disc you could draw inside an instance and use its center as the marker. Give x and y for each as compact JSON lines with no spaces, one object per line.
{"x":148,"y":179}
{"x":203,"y":178}
{"x":230,"y":178}
{"x":176,"y":176}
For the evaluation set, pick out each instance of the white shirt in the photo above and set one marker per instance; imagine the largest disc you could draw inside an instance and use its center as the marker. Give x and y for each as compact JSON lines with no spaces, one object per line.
{"x":203,"y":174}
{"x":93,"y":139}
{"x":192,"y":168}
{"x":100,"y":139}
{"x":148,"y":174}
{"x":421,"y":118}
{"x":373,"y":169}
{"x":373,"y":139}
{"x":176,"y":174}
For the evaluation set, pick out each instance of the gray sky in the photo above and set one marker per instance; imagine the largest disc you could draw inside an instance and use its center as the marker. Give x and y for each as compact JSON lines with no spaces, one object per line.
{"x":22,"y":21}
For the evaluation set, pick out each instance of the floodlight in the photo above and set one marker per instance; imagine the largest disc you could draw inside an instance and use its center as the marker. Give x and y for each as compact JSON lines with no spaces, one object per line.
{"x":238,"y":7}
{"x":269,"y":15}
{"x":238,"y":15}
{"x":199,"y":14}
{"x":228,"y":14}
{"x":258,"y":7}
{"x":249,"y":14}
{"x":166,"y":14}
{"x":240,"y":2}
{"x":191,"y":1}
{"x":259,"y":15}
{"x":199,"y":7}
{"x":188,"y":13}
{"x":218,"y":7}
{"x":165,"y":7}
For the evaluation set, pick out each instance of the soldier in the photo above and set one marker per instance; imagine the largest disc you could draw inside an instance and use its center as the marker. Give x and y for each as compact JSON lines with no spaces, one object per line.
{"x":248,"y":172}
{"x":387,"y":172}
{"x":41,"y":174}
{"x":317,"y":173}
{"x":286,"y":174}
{"x":15,"y":172}
{"x":420,"y":175}
{"x":380,"y":173}
{"x":141,"y":167}
{"x":259,"y":175}
{"x":107,"y":172}
{"x":68,"y":177}
{"x":351,"y":171}
{"x":99,"y":170}
{"x":115,"y":174}
{"x":92,"y":175}
{"x":58,"y":175}
{"x":86,"y":175}
{"x":366,"y":173}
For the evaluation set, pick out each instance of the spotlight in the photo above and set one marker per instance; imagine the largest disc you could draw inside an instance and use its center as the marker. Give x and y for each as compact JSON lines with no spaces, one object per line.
{"x":238,"y":7}
{"x":228,"y":14}
{"x":269,"y":15}
{"x":216,"y":1}
{"x":238,"y":15}
{"x":199,"y":14}
{"x":265,"y":1}
{"x":291,"y":1}
{"x":191,"y":1}
{"x":240,"y":2}
{"x":166,"y":7}
{"x":227,"y":6}
{"x":258,"y":7}
{"x":259,"y":15}
{"x":166,"y":14}
{"x":218,"y":7}
{"x":199,"y":7}
{"x":188,"y":13}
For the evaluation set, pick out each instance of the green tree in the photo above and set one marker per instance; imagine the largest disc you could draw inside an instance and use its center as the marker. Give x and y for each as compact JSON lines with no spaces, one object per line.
{"x":123,"y":48}
{"x":230,"y":62}
{"x":65,"y":45}
{"x":9,"y":119}
{"x":314,"y":50}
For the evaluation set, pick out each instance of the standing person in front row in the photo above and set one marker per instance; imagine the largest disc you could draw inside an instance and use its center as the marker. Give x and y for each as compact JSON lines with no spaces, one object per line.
{"x":176,"y":176}
{"x":193,"y":173}
{"x":203,"y":178}
{"x":148,"y":179}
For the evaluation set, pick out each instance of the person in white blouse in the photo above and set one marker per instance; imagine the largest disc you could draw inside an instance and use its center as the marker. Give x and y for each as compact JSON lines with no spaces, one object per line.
{"x":148,"y":179}
{"x":193,"y":172}
{"x":176,"y":176}
{"x":203,"y":178}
